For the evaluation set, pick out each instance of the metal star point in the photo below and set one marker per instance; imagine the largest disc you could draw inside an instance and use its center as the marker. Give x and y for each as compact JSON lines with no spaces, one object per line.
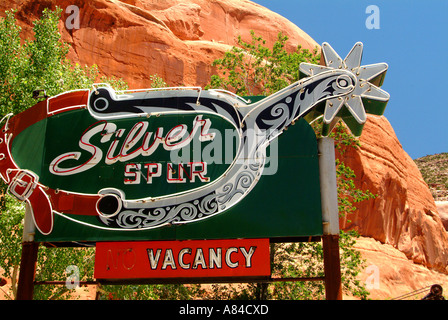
{"x":366,"y":97}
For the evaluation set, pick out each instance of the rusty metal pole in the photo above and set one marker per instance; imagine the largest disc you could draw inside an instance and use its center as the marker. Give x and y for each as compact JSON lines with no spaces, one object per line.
{"x":332,"y":267}
{"x":330,"y":218}
{"x":25,"y":285}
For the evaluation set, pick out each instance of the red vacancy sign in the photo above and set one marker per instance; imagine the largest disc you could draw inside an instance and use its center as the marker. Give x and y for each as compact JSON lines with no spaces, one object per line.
{"x":182,"y":259}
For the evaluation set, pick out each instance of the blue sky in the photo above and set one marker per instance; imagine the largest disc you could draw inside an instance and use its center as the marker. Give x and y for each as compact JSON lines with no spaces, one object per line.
{"x":412,"y":39}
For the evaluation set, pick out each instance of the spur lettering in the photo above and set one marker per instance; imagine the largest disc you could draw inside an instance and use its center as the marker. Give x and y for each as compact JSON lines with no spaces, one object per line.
{"x":136,"y":173}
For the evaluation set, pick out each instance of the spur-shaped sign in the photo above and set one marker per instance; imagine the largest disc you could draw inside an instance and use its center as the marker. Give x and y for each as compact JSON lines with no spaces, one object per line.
{"x":182,"y":163}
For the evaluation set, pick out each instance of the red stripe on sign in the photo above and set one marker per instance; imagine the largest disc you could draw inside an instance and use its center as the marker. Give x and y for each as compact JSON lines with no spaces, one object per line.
{"x":68,"y":101}
{"x":182,"y":259}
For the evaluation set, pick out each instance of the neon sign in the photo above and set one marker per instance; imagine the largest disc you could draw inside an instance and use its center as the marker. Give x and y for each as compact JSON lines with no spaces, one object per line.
{"x":144,"y":160}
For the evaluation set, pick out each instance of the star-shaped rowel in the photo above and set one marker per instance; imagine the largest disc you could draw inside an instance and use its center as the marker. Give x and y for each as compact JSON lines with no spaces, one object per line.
{"x":366,"y":97}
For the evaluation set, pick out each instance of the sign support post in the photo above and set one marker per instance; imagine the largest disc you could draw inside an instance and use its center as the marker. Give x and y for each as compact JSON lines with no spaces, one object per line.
{"x":330,"y":218}
{"x":25,"y":286}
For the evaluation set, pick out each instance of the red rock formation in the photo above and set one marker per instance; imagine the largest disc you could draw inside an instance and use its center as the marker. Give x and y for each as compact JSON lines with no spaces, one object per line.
{"x":442,"y":207}
{"x":390,"y":274}
{"x":404,"y":214}
{"x":178,"y":40}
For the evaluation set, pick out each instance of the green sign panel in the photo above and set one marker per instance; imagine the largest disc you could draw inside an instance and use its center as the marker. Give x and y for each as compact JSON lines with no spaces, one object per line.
{"x":284,"y":204}
{"x":177,"y":164}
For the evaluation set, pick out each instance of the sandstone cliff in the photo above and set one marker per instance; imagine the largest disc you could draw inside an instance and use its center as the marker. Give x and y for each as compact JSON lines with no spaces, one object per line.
{"x":442,"y":206}
{"x":178,"y":40}
{"x":404,"y":214}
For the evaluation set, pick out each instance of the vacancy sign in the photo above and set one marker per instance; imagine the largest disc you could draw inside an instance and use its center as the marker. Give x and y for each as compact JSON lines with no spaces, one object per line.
{"x":182,"y":259}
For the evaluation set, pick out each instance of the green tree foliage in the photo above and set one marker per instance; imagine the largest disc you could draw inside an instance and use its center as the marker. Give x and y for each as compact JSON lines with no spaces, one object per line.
{"x":11,"y":229}
{"x":157,"y":82}
{"x":150,"y":292}
{"x":252,"y":68}
{"x":40,"y":63}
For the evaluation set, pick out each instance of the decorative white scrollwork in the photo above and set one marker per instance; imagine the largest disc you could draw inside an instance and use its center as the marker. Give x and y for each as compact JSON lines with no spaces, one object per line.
{"x":339,"y":83}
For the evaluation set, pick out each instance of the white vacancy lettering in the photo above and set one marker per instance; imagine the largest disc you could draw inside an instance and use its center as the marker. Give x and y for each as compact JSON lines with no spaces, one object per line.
{"x":187,"y":258}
